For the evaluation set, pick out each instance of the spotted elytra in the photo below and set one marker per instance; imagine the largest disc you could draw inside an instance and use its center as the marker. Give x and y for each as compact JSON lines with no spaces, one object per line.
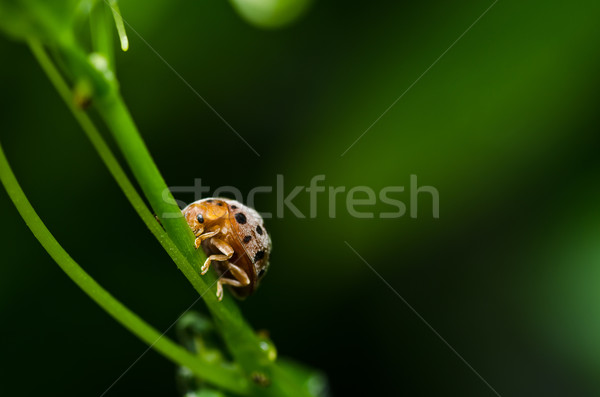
{"x":234,"y":238}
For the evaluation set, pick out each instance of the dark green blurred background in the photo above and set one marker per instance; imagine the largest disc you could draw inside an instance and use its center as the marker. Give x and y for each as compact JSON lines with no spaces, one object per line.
{"x":505,"y":126}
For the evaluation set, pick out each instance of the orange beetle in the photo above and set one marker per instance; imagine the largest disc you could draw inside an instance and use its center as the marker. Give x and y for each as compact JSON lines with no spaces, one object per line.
{"x":234,"y":238}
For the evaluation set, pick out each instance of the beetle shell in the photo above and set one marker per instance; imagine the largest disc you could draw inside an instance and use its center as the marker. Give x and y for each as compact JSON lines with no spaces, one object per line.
{"x":242,"y":228}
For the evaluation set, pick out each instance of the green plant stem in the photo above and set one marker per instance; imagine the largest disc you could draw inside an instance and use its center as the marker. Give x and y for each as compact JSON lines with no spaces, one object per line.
{"x":226,"y":313}
{"x":114,"y":6}
{"x":239,"y":337}
{"x":120,"y":123}
{"x":107,"y":157}
{"x":117,"y":171}
{"x":227,"y":378}
{"x":102,"y":32}
{"x":105,"y":153}
{"x":100,"y":145}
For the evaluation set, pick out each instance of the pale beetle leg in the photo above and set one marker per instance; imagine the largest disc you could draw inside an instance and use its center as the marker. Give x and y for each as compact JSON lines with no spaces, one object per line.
{"x":238,"y":273}
{"x":200,"y":238}
{"x":224,"y":248}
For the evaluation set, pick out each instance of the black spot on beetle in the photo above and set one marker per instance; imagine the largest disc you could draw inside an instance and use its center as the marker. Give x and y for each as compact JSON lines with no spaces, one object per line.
{"x":209,"y":201}
{"x":234,"y":207}
{"x":259,"y":255}
{"x":259,"y":230}
{"x":240,"y":218}
{"x":200,"y":218}
{"x":261,"y":273}
{"x":247,"y":239}
{"x":220,"y":204}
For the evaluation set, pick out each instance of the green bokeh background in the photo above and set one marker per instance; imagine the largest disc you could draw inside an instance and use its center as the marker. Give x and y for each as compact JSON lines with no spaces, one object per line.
{"x":505,"y":126}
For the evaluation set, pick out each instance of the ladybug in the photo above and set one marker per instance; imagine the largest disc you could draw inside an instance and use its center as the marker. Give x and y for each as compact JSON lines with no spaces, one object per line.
{"x":234,"y":237}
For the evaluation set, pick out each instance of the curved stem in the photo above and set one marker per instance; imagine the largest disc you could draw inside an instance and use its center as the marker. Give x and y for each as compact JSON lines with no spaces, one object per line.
{"x":239,"y":337}
{"x":101,"y":32}
{"x":228,"y":379}
{"x":99,"y":144}
{"x":105,"y":153}
{"x":114,"y":6}
{"x":227,"y":316}
{"x":241,"y":340}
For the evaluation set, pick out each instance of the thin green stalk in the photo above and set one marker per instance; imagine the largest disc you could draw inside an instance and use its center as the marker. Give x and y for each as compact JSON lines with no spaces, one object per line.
{"x":120,"y":123}
{"x":105,"y":153}
{"x":99,"y":144}
{"x":239,"y":337}
{"x":241,"y":340}
{"x":226,"y":313}
{"x":114,"y":6}
{"x":226,"y":378}
{"x":102,"y":32}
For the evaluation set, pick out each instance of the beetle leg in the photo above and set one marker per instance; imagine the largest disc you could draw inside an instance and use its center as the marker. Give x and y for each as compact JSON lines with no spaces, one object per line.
{"x":238,"y":273}
{"x":241,"y":276}
{"x":227,"y":281}
{"x":221,"y":246}
{"x":203,"y":236}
